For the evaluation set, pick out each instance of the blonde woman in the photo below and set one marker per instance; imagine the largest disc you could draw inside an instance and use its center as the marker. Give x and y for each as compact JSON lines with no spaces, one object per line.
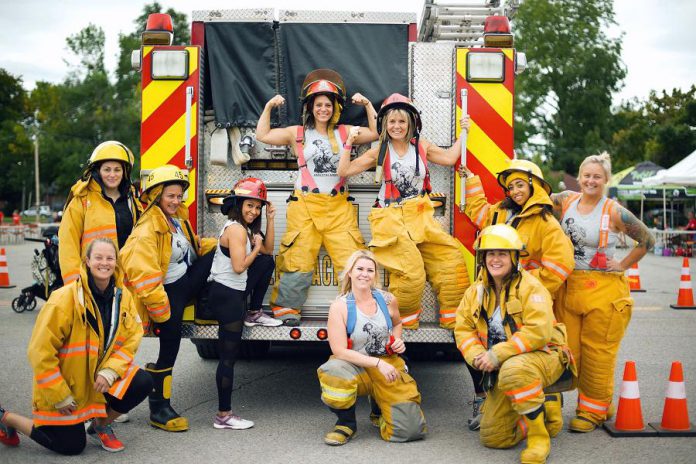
{"x":365,"y":338}
{"x":595,"y":302}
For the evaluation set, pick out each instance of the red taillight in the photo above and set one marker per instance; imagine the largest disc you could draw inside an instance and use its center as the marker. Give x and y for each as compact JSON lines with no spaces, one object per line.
{"x":295,"y":334}
{"x":322,"y":334}
{"x":496,"y":25}
{"x":159,"y":22}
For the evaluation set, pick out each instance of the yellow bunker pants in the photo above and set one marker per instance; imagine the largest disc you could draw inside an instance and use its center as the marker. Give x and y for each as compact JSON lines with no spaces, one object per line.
{"x":518,"y":391}
{"x":412,"y":246}
{"x":596,"y":308}
{"x":313,"y":220}
{"x":402,"y":418}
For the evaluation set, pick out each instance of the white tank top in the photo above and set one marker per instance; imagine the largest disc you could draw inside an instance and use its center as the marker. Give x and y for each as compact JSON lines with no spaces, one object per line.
{"x":221,"y":271}
{"x":583,"y":231}
{"x":403,"y":173}
{"x":321,"y":161}
{"x":182,"y":255}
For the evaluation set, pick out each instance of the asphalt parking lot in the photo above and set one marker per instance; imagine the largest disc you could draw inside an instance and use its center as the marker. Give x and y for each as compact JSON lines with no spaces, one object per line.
{"x":281,"y":395}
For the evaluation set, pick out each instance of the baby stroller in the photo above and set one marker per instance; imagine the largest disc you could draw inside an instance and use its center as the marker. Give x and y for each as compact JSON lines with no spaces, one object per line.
{"x":46,"y":271}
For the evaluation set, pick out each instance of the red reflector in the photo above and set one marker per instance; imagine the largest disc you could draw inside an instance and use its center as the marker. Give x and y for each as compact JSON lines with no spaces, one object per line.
{"x":497,"y":25}
{"x":159,"y":22}
{"x":322,"y":334}
{"x":295,"y":334}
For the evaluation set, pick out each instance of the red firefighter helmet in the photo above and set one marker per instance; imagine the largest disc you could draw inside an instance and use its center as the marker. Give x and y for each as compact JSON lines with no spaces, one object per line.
{"x":323,"y":81}
{"x":247,"y":188}
{"x":398,"y":101}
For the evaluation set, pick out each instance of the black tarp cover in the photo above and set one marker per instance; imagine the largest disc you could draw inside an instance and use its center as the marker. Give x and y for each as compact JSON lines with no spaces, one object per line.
{"x":242,"y":70}
{"x":245,"y":72}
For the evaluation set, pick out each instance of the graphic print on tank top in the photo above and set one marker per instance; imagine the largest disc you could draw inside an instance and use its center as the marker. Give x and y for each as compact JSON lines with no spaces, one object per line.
{"x":405,"y":180}
{"x":376,"y":339}
{"x":318,"y":154}
{"x":577,"y":235}
{"x":496,"y":331}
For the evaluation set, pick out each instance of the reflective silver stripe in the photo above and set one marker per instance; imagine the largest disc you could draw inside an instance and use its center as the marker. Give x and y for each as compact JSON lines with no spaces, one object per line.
{"x":519,"y":344}
{"x":529,"y":392}
{"x":72,"y":417}
{"x":77,"y":349}
{"x":122,"y":382}
{"x":157,"y":312}
{"x":336,"y":393}
{"x":98,"y":233}
{"x":556,"y":267}
{"x":123,"y":355}
{"x":591,"y":406}
{"x":147,"y":282}
{"x":481,"y":216}
{"x":50,"y":378}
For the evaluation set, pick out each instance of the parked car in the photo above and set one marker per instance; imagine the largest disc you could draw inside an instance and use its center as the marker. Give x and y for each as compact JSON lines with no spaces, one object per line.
{"x":44,"y":211}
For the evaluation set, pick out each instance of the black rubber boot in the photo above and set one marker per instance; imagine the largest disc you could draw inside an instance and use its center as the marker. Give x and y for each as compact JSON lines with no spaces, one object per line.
{"x":162,"y":415}
{"x":375,"y":412}
{"x":345,"y":427}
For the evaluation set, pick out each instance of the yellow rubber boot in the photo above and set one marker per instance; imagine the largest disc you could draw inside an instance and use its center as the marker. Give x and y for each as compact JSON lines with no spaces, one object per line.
{"x":553,"y":412}
{"x":162,"y":415}
{"x":582,"y":423}
{"x":538,"y":440}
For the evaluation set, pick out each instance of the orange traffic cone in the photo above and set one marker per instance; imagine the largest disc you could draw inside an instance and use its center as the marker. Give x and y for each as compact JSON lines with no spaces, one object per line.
{"x":675,"y":415}
{"x":634,"y":278}
{"x":4,"y":274}
{"x":629,"y":416}
{"x":685,"y":298}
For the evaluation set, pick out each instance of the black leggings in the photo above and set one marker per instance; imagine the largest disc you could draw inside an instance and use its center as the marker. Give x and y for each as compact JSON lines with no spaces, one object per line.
{"x":179,"y":294}
{"x":71,"y":439}
{"x":229,"y":307}
{"x":477,"y":378}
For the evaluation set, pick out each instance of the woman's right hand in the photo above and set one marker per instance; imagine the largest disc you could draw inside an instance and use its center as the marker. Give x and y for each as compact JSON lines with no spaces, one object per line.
{"x":68,"y":410}
{"x":388,"y":371}
{"x":258,"y":241}
{"x":276,"y":101}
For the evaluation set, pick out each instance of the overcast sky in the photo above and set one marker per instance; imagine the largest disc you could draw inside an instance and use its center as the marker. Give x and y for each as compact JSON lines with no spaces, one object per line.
{"x":657,"y":48}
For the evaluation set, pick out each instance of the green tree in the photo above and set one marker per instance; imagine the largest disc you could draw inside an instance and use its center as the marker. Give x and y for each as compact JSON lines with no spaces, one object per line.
{"x":564,"y":98}
{"x":16,"y":155}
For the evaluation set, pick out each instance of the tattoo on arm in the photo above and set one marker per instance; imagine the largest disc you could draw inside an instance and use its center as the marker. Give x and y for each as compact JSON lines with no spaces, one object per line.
{"x":558,"y":199}
{"x":635,"y":229}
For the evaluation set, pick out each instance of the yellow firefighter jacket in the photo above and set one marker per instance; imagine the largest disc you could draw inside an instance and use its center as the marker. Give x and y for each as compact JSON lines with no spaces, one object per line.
{"x":549,"y":252}
{"x":146,"y":255}
{"x":66,"y":353}
{"x":87,"y":216}
{"x":527,"y":308}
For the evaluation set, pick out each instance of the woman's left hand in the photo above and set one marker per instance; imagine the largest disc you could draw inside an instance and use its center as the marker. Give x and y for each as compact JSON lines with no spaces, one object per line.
{"x":398,"y":346}
{"x":352,"y":135}
{"x":614,"y":265}
{"x":360,"y":99}
{"x":101,"y":384}
{"x":270,"y":211}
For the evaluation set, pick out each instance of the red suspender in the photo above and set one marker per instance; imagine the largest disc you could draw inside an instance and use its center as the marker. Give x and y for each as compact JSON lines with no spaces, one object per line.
{"x":599,"y":260}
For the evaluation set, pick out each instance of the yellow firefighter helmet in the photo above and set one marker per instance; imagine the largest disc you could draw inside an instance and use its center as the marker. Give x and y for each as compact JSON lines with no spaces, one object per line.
{"x":499,"y":237}
{"x":527,"y":167}
{"x":112,"y":151}
{"x":167,"y":174}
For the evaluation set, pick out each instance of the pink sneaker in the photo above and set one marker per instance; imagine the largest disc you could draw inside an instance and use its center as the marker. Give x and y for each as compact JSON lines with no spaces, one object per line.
{"x":260,"y":318}
{"x":232,"y":421}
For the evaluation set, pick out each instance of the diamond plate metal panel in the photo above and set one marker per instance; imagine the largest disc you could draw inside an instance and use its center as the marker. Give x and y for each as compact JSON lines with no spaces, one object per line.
{"x":249,"y":15}
{"x":432,"y":89}
{"x":427,"y":333}
{"x":317,"y":16}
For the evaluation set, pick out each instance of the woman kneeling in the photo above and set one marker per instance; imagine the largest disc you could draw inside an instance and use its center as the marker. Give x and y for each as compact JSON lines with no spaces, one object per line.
{"x":505,"y":328}
{"x":364,"y":329}
{"x":82,"y":351}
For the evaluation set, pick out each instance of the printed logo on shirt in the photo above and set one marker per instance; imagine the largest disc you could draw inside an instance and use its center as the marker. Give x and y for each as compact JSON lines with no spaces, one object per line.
{"x":577,"y":236}
{"x":376,"y":340}
{"x":324,"y":160}
{"x":405,"y":180}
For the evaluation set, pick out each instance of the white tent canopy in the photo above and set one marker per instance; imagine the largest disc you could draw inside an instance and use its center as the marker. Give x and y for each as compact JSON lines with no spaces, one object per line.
{"x":682,"y":173}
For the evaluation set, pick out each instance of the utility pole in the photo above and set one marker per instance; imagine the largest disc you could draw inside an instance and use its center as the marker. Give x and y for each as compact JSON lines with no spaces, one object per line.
{"x":36,"y":168}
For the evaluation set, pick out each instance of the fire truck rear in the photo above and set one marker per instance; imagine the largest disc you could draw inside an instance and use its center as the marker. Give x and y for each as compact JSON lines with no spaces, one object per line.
{"x":201,"y":103}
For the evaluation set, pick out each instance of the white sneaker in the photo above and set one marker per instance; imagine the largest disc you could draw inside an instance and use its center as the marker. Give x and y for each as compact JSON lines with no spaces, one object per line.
{"x":231,"y":421}
{"x":122,"y":418}
{"x":260,"y":318}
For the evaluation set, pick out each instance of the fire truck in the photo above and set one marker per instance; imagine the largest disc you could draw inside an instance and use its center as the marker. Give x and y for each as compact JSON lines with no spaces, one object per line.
{"x":201,"y":103}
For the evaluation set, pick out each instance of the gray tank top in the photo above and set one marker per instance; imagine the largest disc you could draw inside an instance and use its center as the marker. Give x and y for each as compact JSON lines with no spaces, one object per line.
{"x":222,"y":271}
{"x":584,"y":232}
{"x":322,"y":163}
{"x":371,"y":335}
